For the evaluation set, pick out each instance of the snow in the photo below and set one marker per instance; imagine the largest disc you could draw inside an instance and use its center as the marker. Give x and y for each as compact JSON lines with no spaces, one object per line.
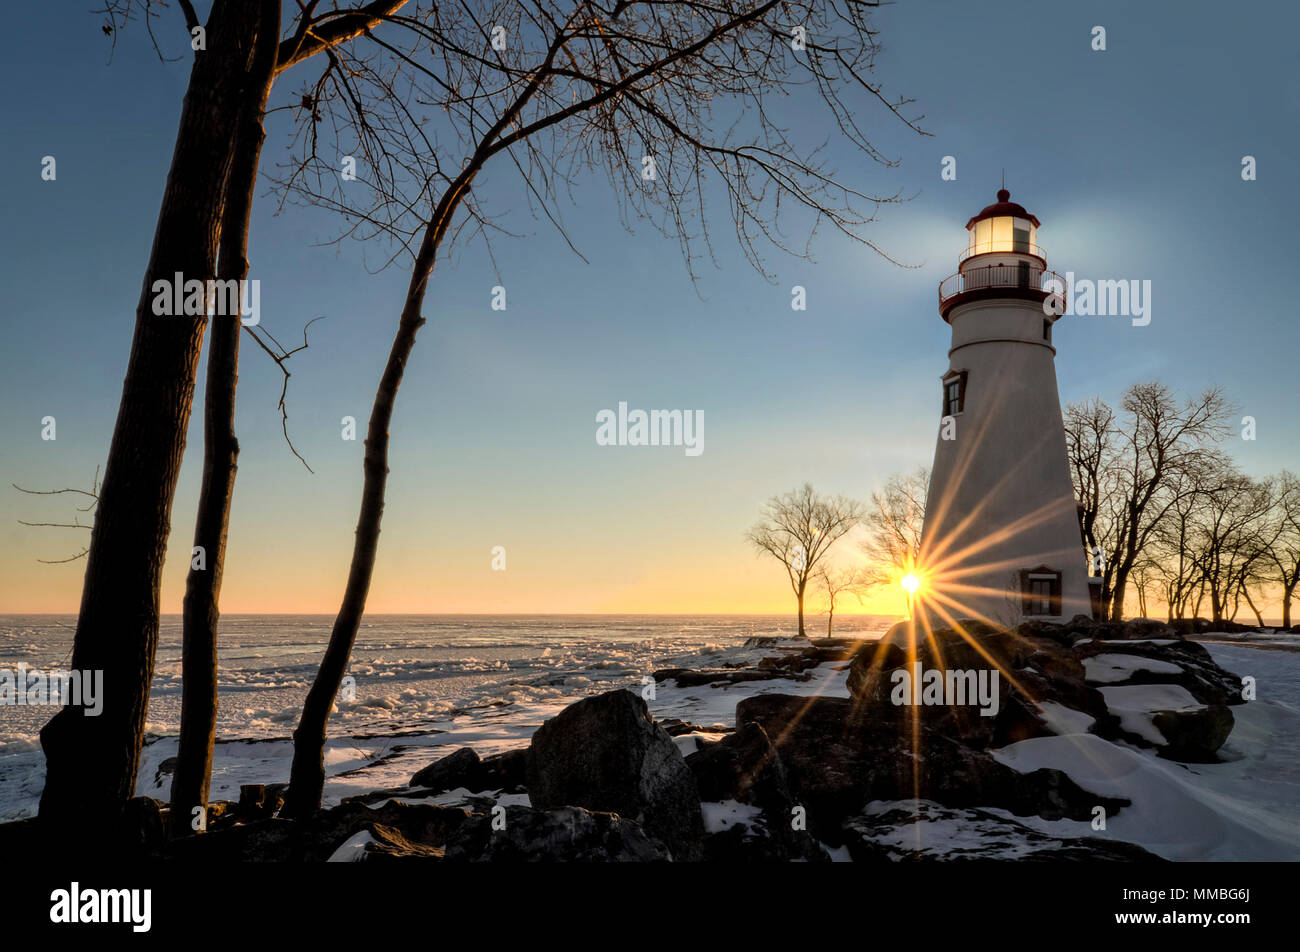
{"x":690,"y":743}
{"x":1244,"y":809}
{"x":1134,"y":703}
{"x":727,"y":813}
{"x":353,"y":849}
{"x":1065,"y":720}
{"x":1110,"y":668}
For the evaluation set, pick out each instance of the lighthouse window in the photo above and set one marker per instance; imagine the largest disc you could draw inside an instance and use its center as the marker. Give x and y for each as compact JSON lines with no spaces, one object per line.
{"x":1041,"y":591}
{"x":954,"y":393}
{"x":1020,"y":238}
{"x":1047,"y":330}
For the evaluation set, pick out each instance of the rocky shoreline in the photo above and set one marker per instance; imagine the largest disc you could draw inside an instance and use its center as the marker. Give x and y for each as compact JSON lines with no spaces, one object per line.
{"x":794,"y":778}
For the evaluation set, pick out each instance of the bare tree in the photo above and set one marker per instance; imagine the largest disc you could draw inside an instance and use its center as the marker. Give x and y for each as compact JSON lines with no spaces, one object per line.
{"x":837,"y":582}
{"x":1090,"y":432}
{"x":200,"y":610}
{"x":1127,"y":473}
{"x":799,"y":529}
{"x":894,"y":522}
{"x":91,"y":763}
{"x":669,"y":99}
{"x":1176,"y":564}
{"x":1284,"y":554}
{"x":1229,"y":539}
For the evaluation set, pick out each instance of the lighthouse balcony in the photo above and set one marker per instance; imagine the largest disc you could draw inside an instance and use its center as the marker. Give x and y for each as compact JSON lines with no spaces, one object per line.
{"x":1023,"y":280}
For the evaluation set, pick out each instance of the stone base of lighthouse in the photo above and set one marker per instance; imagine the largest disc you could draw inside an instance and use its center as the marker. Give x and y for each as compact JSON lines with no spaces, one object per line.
{"x":1001,"y":539}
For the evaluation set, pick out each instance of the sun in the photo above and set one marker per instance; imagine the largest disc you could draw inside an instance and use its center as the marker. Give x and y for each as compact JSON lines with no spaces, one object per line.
{"x":910,"y":583}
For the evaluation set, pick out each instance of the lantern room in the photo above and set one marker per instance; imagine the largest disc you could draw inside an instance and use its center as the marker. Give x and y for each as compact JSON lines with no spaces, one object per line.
{"x":1003,"y":227}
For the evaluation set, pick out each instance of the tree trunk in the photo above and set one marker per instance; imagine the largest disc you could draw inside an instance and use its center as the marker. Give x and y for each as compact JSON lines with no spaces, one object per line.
{"x":802,"y":633}
{"x":91,"y":762}
{"x":1251,"y":602}
{"x":830,"y":615}
{"x":201,"y":611}
{"x":307,"y":774}
{"x":1117,"y":597}
{"x":1286,"y":605}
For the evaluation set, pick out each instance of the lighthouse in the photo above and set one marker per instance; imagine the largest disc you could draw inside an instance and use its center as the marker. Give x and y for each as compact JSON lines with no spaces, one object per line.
{"x":1001,"y":539}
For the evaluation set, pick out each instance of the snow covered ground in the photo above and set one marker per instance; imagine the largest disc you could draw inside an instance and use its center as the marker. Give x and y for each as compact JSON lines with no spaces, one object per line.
{"x":1245,"y":808}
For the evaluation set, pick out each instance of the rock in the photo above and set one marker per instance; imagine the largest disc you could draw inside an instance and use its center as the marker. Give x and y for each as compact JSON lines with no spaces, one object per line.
{"x":1194,"y":736}
{"x":567,"y":834}
{"x":675,"y":727}
{"x":165,"y":769}
{"x":993,"y":656}
{"x":461,"y":768}
{"x":605,"y":753}
{"x":798,"y":660}
{"x":923,"y":831}
{"x":837,"y":759}
{"x":870,"y":668}
{"x":1038,"y":662}
{"x":744,"y":767}
{"x":388,"y":844}
{"x":1200,"y":675}
{"x":760,"y":842}
{"x":1146,"y":628}
{"x":315,"y":840}
{"x":506,"y":771}
{"x":696,"y":677}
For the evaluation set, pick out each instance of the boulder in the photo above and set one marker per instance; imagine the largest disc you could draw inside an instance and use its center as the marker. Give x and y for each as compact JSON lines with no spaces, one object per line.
{"x":837,"y":758}
{"x":1200,"y":675}
{"x":566,"y":834}
{"x":506,"y":771}
{"x":606,"y":754}
{"x":461,"y":768}
{"x":744,"y":767}
{"x":1194,"y":736}
{"x":996,"y":657}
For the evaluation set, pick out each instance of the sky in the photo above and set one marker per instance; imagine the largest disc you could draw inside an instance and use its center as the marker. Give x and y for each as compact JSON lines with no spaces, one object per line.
{"x":1131,"y":158}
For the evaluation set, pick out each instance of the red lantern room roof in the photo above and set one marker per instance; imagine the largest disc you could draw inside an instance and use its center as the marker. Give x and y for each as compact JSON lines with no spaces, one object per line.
{"x":1003,"y":206}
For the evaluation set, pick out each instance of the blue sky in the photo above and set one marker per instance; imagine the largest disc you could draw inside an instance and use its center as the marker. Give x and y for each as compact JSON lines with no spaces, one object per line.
{"x":1131,"y":158}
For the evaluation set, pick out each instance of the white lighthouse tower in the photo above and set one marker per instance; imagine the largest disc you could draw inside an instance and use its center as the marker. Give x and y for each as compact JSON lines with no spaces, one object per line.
{"x":1001,"y":540}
